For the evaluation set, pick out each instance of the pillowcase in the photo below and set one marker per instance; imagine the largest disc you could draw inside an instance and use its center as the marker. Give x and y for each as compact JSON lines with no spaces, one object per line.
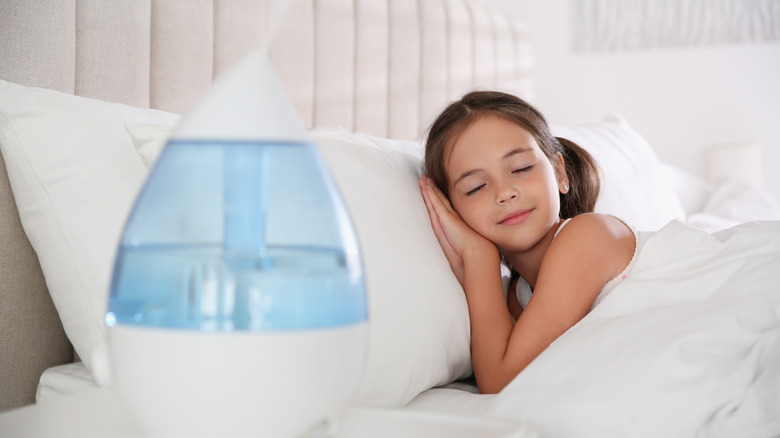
{"x":734,"y":202}
{"x":74,"y":175}
{"x":148,"y":140}
{"x":419,"y":333}
{"x":691,"y":190}
{"x":634,"y":184}
{"x":418,"y":319}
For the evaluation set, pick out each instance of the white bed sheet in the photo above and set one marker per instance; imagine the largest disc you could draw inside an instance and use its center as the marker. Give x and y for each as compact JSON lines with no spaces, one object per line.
{"x":64,"y":380}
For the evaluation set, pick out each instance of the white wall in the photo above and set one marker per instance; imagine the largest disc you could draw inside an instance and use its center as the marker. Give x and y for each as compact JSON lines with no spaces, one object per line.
{"x":680,"y":99}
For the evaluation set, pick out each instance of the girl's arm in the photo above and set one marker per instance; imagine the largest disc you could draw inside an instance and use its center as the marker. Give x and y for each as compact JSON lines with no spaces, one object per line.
{"x":491,"y":321}
{"x":588,"y":252}
{"x":512,"y":303}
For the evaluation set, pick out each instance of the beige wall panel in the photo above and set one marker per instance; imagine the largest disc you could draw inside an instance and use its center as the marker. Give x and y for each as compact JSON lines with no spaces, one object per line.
{"x":371,"y":60}
{"x":433,"y":60}
{"x":460,"y":49}
{"x":334,"y":63}
{"x":404,"y":69}
{"x":506,"y":72}
{"x":31,"y":335}
{"x":181,"y":52}
{"x":292,"y":54}
{"x":112,"y":50}
{"x":238,"y":26}
{"x":484,"y":47}
{"x":38,"y":46}
{"x":524,"y":60}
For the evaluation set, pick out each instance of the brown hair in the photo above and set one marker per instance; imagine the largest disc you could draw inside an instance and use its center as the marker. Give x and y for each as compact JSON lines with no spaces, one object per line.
{"x":581,"y":168}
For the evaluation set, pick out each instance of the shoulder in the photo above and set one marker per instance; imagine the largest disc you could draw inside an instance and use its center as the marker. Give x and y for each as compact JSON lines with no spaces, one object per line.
{"x":594,"y":241}
{"x":597,"y":226}
{"x":587,"y":253}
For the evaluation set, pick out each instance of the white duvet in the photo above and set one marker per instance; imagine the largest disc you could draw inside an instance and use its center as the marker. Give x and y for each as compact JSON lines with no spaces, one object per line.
{"x":687,"y":345}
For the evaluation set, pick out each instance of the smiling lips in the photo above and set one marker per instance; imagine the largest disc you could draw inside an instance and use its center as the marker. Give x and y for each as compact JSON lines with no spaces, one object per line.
{"x":515,"y":217}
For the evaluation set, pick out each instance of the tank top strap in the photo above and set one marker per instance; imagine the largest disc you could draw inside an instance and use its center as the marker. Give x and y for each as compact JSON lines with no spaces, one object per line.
{"x":563,"y":224}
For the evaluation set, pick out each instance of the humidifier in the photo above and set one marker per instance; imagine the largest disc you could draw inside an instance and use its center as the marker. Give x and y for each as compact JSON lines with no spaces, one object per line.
{"x":237,"y":305}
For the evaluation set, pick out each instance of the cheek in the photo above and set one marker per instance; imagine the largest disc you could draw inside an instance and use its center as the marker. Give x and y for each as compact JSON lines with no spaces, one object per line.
{"x":467,"y":210}
{"x":551,"y":179}
{"x":459,"y":206}
{"x":554,"y":195}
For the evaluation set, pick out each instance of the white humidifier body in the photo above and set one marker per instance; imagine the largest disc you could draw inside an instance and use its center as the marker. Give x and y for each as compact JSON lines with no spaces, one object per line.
{"x":237,"y":305}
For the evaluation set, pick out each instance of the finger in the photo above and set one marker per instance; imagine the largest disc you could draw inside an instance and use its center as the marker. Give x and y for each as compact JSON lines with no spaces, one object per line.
{"x":438,"y":230}
{"x":440,"y":203}
{"x":432,"y":200}
{"x":440,"y":208}
{"x":428,"y":203}
{"x":441,"y":196}
{"x":436,"y":224}
{"x":453,"y":258}
{"x":433,"y":216}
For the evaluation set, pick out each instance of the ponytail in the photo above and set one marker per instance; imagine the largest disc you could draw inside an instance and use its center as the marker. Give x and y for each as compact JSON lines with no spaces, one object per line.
{"x":584,"y":181}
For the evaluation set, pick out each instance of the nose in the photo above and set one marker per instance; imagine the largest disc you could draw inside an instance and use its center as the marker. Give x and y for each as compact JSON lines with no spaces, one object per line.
{"x":506,"y":193}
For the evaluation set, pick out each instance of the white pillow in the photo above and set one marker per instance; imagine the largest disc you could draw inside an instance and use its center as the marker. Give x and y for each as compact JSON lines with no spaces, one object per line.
{"x":419,"y":326}
{"x":734,"y":202}
{"x":418,"y":318}
{"x":74,"y":174}
{"x":634,"y":185}
{"x":149,"y":140}
{"x":691,"y":190}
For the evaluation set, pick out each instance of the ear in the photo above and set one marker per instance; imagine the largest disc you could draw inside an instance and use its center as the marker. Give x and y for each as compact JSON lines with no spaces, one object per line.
{"x":560,"y":173}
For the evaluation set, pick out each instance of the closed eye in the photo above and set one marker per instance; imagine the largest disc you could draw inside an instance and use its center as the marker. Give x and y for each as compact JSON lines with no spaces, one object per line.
{"x":474,"y":190}
{"x":524,"y":169}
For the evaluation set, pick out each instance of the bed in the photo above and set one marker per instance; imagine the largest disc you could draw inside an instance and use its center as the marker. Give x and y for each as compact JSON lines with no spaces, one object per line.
{"x":90,"y":90}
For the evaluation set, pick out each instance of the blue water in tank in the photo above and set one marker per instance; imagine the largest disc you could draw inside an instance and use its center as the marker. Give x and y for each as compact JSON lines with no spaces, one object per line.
{"x":238,"y":236}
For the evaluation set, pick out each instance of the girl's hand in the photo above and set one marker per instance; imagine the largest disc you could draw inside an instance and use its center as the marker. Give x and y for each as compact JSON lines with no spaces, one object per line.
{"x":454,"y":235}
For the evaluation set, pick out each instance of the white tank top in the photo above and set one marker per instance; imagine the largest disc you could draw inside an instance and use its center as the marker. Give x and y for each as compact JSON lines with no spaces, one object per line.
{"x":523,"y":290}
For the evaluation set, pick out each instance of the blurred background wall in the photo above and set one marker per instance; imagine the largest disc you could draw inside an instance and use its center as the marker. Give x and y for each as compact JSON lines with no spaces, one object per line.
{"x":687,"y":74}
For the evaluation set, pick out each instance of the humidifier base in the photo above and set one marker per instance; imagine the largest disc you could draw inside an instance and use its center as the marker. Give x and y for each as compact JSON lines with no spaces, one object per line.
{"x":271,"y":384}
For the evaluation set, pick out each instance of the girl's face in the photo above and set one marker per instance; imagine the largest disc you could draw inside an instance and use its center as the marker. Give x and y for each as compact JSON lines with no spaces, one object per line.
{"x":502,"y":184}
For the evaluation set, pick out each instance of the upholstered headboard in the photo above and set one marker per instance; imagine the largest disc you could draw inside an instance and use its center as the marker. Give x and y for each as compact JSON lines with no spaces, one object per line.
{"x":380,"y":67}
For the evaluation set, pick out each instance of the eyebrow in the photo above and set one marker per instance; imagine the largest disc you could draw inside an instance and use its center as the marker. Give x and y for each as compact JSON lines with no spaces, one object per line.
{"x":506,"y":156}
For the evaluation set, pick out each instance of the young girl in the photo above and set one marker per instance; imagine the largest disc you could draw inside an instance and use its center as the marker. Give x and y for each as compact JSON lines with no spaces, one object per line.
{"x":499,"y":185}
